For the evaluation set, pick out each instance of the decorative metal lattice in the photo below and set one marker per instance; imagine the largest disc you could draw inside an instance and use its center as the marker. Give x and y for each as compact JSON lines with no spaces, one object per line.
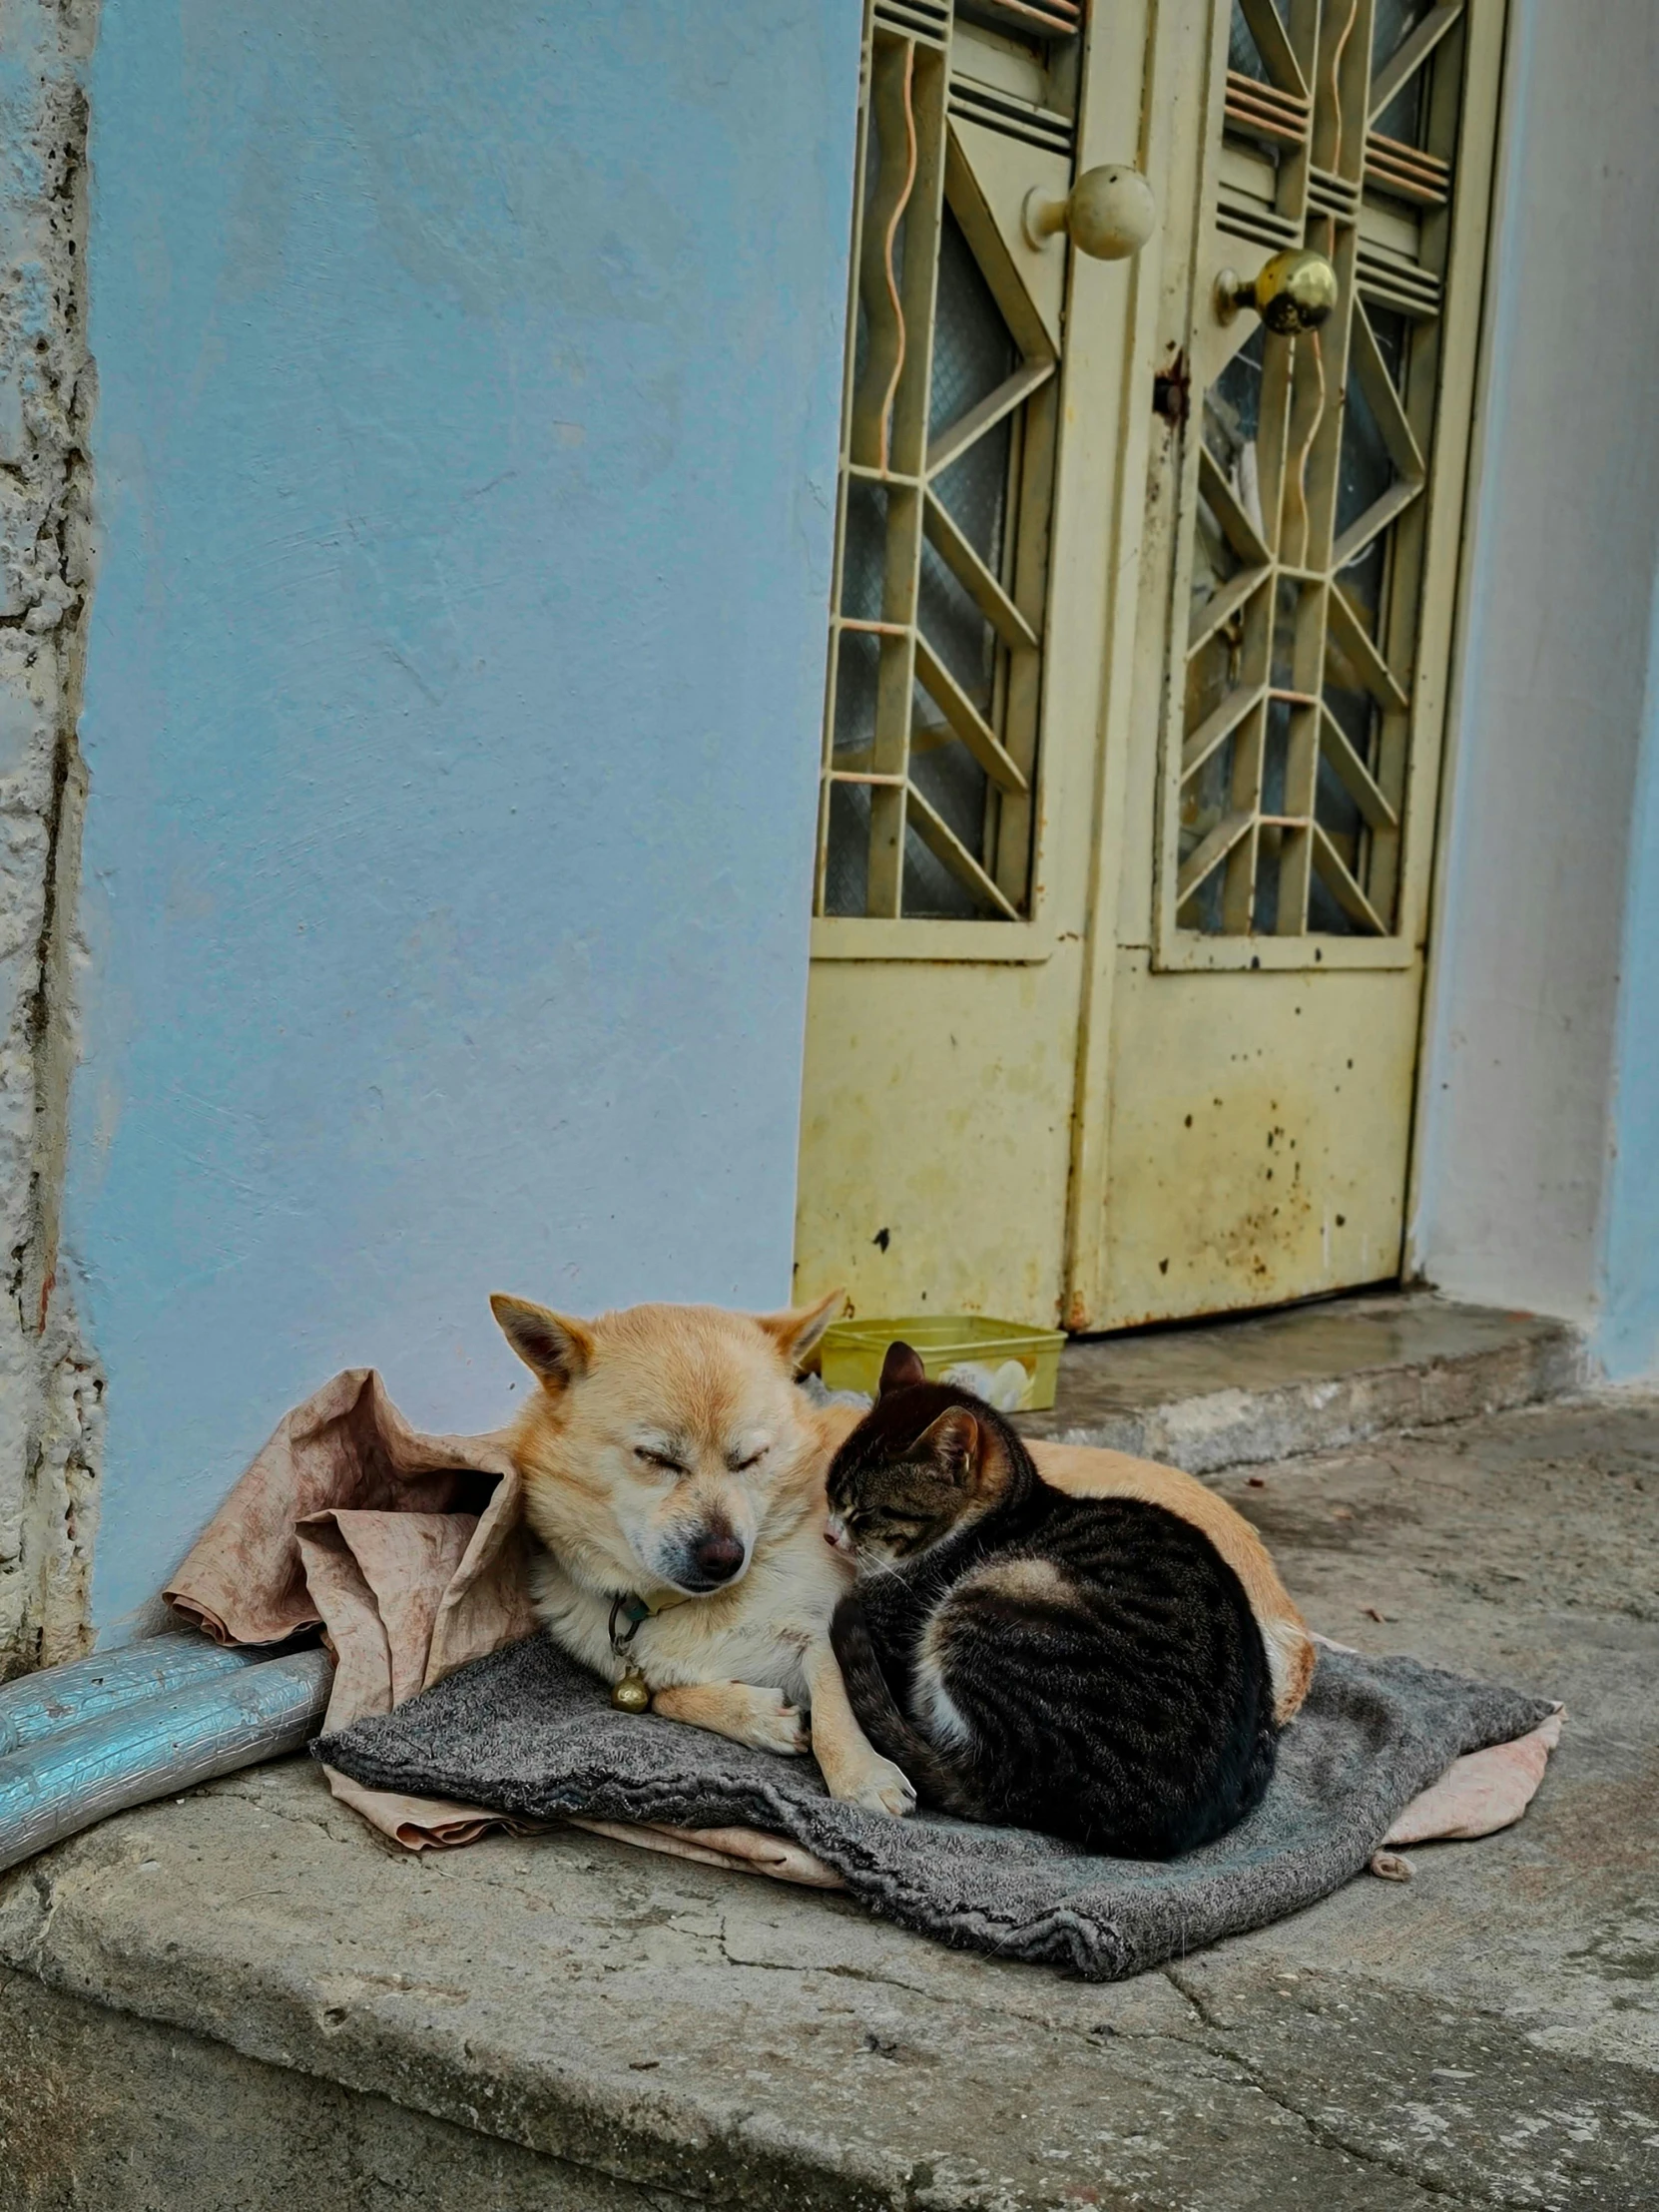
{"x":1289,"y":732}
{"x":935,"y":652}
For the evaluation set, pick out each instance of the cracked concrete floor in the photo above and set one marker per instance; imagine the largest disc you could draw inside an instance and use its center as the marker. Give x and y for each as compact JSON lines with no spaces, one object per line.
{"x":634,"y":2031}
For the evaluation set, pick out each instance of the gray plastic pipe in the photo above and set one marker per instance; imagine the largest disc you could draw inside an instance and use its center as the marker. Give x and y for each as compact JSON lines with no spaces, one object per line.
{"x":155,"y":1723}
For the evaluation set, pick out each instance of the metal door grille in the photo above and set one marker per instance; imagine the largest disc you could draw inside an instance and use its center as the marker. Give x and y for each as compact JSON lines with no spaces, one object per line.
{"x":935,"y":646}
{"x":1287,"y":734}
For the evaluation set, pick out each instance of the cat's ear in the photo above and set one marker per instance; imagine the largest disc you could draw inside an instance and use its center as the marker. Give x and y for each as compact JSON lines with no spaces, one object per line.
{"x":798,"y":1327}
{"x":901,"y":1369}
{"x":953,"y":1446}
{"x":554,"y":1348}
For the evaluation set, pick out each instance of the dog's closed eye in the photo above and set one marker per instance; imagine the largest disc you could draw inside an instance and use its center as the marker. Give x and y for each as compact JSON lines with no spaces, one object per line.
{"x":740,"y":1461}
{"x":658,"y":1459}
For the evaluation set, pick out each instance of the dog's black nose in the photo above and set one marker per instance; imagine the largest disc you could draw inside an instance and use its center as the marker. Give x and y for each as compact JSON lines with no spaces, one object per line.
{"x":718,"y":1559}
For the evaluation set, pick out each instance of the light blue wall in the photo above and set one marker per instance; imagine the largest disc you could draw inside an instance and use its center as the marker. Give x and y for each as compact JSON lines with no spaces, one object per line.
{"x":465,"y":462}
{"x":1538,"y":1136}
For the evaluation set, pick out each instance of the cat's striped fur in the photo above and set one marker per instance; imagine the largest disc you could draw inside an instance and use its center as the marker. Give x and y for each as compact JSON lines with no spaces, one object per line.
{"x":1086,"y":1666}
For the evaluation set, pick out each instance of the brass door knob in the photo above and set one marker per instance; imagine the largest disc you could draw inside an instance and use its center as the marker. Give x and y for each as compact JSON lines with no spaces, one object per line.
{"x":1108,"y":214}
{"x":1292,"y":293}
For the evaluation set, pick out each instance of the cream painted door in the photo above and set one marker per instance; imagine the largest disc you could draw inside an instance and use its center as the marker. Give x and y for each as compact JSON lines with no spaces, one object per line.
{"x":982,"y":473}
{"x":1137,"y":652}
{"x":1246,"y":1125}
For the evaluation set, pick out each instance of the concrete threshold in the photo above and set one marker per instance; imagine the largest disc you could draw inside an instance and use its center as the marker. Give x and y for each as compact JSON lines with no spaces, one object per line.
{"x":1313,"y":1378}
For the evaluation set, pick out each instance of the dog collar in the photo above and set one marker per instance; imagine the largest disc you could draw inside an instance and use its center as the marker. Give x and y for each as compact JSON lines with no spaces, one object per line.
{"x":634,"y":1610}
{"x":633,"y":1693}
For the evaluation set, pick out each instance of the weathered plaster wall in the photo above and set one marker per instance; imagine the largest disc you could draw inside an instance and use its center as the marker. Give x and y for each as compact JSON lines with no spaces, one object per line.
{"x":50,"y":1390}
{"x":1523,"y":1101}
{"x":1627,"y":1335}
{"x":465,"y":462}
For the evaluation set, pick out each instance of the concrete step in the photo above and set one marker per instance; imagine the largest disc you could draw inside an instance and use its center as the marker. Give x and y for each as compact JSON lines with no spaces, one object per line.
{"x":1310,"y":1377}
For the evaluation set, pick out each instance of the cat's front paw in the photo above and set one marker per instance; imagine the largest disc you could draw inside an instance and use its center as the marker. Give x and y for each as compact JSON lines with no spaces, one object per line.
{"x":880,"y":1787}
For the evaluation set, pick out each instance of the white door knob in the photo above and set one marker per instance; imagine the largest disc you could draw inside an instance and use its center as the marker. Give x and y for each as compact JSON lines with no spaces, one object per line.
{"x":1108,"y":214}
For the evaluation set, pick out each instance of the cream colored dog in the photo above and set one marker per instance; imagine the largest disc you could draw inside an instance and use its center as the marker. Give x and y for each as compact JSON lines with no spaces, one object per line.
{"x":674,"y":1470}
{"x":672,"y":1465}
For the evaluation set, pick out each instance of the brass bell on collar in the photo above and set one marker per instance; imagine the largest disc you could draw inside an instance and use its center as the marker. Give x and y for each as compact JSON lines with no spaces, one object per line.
{"x":632,"y":1694}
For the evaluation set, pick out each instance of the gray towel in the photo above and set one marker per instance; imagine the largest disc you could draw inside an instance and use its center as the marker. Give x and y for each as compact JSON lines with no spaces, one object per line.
{"x":526,"y":1730}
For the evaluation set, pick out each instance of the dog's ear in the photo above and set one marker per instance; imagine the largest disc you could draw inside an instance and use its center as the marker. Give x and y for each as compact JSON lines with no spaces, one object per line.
{"x":798,"y":1327}
{"x":901,"y":1369}
{"x":952,"y":1444}
{"x":554,"y":1348}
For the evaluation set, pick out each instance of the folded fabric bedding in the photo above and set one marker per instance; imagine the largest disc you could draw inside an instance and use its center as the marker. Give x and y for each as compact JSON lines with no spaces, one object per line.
{"x":528,"y":1733}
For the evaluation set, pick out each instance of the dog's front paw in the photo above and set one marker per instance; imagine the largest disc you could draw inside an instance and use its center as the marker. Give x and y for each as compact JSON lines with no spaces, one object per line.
{"x":772,"y":1725}
{"x":880,"y":1787}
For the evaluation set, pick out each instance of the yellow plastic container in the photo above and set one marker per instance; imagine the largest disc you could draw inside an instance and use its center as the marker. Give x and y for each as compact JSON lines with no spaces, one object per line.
{"x":977,"y":1352}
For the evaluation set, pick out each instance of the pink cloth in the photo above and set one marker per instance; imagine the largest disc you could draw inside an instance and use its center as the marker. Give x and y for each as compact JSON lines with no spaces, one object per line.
{"x":1481,"y":1791}
{"x":406,"y":1549}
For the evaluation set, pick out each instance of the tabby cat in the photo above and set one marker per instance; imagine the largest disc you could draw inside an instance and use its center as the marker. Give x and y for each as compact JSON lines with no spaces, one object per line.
{"x":1086,"y":1666}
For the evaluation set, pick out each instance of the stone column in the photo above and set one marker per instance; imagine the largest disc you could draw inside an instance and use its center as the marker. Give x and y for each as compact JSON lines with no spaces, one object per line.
{"x":50,"y":1388}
